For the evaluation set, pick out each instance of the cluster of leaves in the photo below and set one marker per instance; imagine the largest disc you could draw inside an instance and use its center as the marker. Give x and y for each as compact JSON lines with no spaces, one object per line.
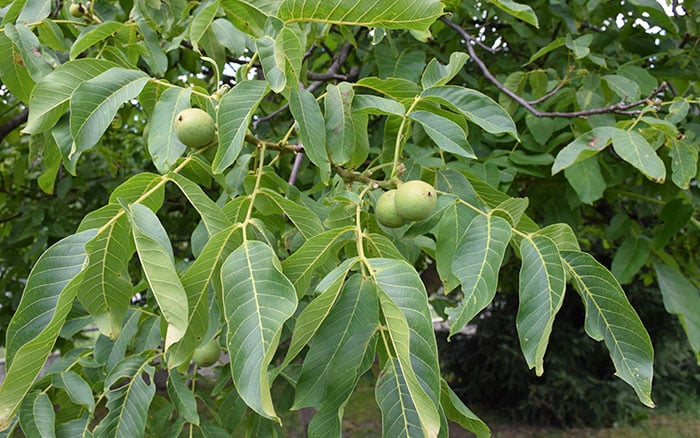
{"x":286,"y":265}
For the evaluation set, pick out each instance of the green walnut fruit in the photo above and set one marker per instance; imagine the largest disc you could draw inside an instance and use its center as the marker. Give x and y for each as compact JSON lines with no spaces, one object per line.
{"x":415,"y":200}
{"x":385,"y":210}
{"x":206,"y":355}
{"x":195,"y":128}
{"x":76,"y":10}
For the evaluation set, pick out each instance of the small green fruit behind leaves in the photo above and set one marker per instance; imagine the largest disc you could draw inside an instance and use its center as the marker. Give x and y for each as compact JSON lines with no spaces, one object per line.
{"x":195,"y":127}
{"x":207,"y":354}
{"x":415,"y":200}
{"x":385,"y":210}
{"x":77,"y":10}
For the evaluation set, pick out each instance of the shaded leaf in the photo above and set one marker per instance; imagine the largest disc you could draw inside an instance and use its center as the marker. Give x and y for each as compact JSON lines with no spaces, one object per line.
{"x":684,"y":163}
{"x":312,"y":128}
{"x":629,"y":258}
{"x":76,"y":387}
{"x":183,"y":398}
{"x":457,"y":411}
{"x":37,"y":417}
{"x":163,"y":145}
{"x":587,"y":180}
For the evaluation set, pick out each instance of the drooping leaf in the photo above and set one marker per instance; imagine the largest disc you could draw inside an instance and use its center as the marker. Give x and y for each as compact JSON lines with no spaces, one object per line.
{"x":682,"y":299}
{"x":611,"y":318}
{"x":400,"y":415}
{"x":95,"y":102}
{"x":235,"y":113}
{"x":201,"y":22}
{"x":629,"y":258}
{"x":272,"y":65}
{"x":312,"y":128}
{"x":183,"y":398}
{"x":197,"y":281}
{"x":587,"y":180}
{"x":48,"y":296}
{"x":14,"y":74}
{"x":457,"y":411}
{"x":684,"y":163}
{"x":541,"y":293}
{"x":213,"y":217}
{"x":106,"y":288}
{"x":404,"y":304}
{"x":402,"y":14}
{"x":451,"y":229}
{"x":76,"y":387}
{"x":340,"y":132}
{"x":156,"y":256}
{"x":475,"y":106}
{"x":633,"y":148}
{"x":337,"y":348}
{"x":163,"y":145}
{"x":313,"y":315}
{"x":127,"y":402}
{"x":257,"y":300}
{"x":478,"y":258}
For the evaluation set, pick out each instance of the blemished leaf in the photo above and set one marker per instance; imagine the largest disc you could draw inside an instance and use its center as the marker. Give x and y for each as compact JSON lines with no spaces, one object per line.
{"x":106,"y":288}
{"x":629,"y":258}
{"x":14,"y":74}
{"x":633,"y":148}
{"x":201,"y":22}
{"x":212,"y":215}
{"x":183,"y":398}
{"x":340,"y":132}
{"x":93,"y":35}
{"x":400,"y":415}
{"x":163,"y":145}
{"x":541,"y":293}
{"x":475,"y":106}
{"x":682,"y":299}
{"x":404,"y":304}
{"x":37,"y":417}
{"x":517,"y":10}
{"x":156,"y":256}
{"x":448,"y":135}
{"x":50,"y":98}
{"x":457,"y":411}
{"x":585,"y":146}
{"x":29,"y":47}
{"x":478,"y":258}
{"x":587,"y":180}
{"x":76,"y":387}
{"x":48,"y":297}
{"x":336,"y":350}
{"x":436,"y":74}
{"x":95,"y":102}
{"x":235,"y":113}
{"x":312,"y":128}
{"x":128,"y":402}
{"x":257,"y":300}
{"x":301,"y":265}
{"x":197,"y":281}
{"x":389,"y":14}
{"x":684,"y":163}
{"x":313,"y":315}
{"x":611,"y":318}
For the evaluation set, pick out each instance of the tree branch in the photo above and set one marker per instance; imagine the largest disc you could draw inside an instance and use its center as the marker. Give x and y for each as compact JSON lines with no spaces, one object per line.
{"x":618,"y":108}
{"x":11,"y":124}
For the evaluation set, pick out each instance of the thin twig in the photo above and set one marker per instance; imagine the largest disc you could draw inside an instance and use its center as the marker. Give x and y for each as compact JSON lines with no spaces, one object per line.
{"x":618,"y":108}
{"x":13,"y":123}
{"x":295,"y":168}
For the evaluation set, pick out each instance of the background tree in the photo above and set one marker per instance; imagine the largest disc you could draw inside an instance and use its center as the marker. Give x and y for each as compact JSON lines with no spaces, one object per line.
{"x":550,"y":132}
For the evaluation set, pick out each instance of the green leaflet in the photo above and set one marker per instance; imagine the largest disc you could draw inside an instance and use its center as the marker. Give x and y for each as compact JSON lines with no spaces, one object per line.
{"x":163,"y":145}
{"x":46,"y":301}
{"x":477,"y":260}
{"x":542,"y":283}
{"x":611,"y":318}
{"x":389,"y":14}
{"x":257,"y":300}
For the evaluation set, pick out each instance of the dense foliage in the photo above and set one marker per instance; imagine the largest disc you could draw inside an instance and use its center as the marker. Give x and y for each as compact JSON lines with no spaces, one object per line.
{"x":560,"y":138}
